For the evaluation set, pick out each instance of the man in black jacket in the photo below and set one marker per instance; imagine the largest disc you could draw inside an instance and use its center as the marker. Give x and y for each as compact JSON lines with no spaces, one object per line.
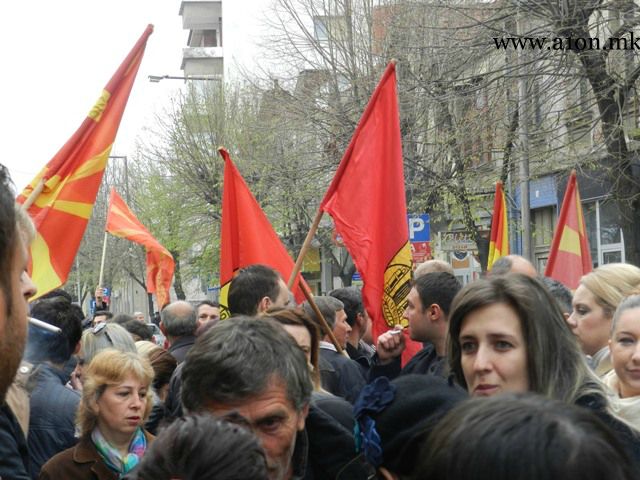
{"x":339,"y":374}
{"x":429,"y":302}
{"x":53,"y":405}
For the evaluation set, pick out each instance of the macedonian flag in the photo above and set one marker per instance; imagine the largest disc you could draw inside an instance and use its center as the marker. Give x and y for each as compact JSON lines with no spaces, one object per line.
{"x":366,"y":200}
{"x":123,"y":223}
{"x":247,"y":236}
{"x":61,"y":197}
{"x":499,"y":242}
{"x":570,"y":257}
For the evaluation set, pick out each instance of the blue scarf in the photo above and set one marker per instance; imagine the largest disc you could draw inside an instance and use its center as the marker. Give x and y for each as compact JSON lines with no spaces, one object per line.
{"x":111,"y":456}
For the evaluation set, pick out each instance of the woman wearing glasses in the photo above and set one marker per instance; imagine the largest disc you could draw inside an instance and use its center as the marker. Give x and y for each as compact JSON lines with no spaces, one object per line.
{"x":113,"y":409}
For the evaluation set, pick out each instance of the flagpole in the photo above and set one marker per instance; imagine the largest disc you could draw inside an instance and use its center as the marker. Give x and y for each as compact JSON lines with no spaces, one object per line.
{"x":305,"y":247}
{"x":323,"y":323}
{"x":34,"y":194}
{"x":104,"y":254}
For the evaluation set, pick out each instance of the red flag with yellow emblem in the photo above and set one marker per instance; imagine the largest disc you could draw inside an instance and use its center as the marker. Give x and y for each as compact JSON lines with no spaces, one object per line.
{"x":570,"y":257}
{"x":122,"y":223}
{"x":247,"y":236}
{"x":62,"y":195}
{"x":366,"y":200}
{"x":499,"y":240}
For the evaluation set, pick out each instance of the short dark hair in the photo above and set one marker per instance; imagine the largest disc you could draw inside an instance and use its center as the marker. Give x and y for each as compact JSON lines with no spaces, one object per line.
{"x":8,"y":235}
{"x":238,"y":358}
{"x":328,"y":307}
{"x":136,"y":327}
{"x":99,"y":313}
{"x":351,"y":297}
{"x":60,"y":312}
{"x":250,"y":285}
{"x":522,"y":436}
{"x":439,"y":288}
{"x":210,"y":303}
{"x":560,"y":292}
{"x":202,"y":447}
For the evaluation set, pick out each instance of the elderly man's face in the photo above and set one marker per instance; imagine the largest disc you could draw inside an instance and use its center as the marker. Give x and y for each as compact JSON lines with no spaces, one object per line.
{"x":13,"y":316}
{"x":275,"y":422}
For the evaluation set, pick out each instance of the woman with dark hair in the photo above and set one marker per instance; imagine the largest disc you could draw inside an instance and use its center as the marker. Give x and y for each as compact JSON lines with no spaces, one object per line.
{"x":524,"y":437}
{"x":163,"y":364}
{"x":508,"y":335}
{"x":115,"y":403}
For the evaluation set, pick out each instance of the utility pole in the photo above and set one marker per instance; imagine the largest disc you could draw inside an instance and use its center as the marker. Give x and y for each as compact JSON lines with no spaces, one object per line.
{"x":523,"y":107}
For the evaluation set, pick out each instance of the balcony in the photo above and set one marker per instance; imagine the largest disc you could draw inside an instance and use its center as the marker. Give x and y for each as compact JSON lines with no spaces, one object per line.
{"x":200,"y":15}
{"x":202,"y":61}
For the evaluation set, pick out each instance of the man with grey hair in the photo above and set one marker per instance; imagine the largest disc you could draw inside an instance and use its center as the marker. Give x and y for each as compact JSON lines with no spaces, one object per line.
{"x":338,"y":373}
{"x":178,"y":322}
{"x":253,"y":368}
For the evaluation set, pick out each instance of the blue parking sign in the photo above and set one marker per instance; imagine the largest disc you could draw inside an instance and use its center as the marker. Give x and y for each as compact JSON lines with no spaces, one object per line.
{"x":419,"y":230}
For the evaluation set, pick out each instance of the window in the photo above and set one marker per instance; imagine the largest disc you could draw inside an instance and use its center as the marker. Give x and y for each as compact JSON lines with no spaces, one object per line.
{"x":320,"y":30}
{"x":602,"y":221}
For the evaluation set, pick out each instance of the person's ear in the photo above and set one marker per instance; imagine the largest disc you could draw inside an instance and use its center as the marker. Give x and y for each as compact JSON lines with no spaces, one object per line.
{"x":435,"y":312}
{"x":302,"y":416}
{"x":264,"y":304}
{"x":77,"y":349}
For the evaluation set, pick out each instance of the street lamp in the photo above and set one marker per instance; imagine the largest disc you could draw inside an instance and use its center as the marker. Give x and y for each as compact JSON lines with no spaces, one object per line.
{"x":159,"y":78}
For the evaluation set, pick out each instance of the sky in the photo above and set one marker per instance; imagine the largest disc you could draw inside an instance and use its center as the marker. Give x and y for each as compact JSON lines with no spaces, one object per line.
{"x":58,"y":56}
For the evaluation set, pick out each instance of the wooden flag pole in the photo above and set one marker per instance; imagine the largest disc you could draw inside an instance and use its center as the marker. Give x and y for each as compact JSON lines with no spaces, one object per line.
{"x":34,"y":194}
{"x":303,"y":250}
{"x":104,"y":254}
{"x":323,"y":323}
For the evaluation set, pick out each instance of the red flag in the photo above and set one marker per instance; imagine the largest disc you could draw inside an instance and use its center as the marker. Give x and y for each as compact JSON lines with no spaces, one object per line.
{"x":247,"y":235}
{"x":499,"y":243}
{"x":122,"y":223}
{"x":367,"y":202}
{"x":72,"y":179}
{"x":570,"y":257}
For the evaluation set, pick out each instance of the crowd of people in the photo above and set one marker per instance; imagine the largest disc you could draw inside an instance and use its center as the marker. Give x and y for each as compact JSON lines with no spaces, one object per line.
{"x":517,"y":377}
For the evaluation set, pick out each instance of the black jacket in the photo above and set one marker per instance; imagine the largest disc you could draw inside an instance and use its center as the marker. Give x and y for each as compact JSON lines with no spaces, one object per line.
{"x":426,"y":361}
{"x":52,"y":417}
{"x":340,"y":375}
{"x":181,"y":347}
{"x":325,"y":450}
{"x":14,"y":455}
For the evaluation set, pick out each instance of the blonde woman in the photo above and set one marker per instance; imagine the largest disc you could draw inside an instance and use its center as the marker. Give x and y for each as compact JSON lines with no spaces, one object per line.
{"x":594,"y":302}
{"x":624,"y":379}
{"x":115,"y":404}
